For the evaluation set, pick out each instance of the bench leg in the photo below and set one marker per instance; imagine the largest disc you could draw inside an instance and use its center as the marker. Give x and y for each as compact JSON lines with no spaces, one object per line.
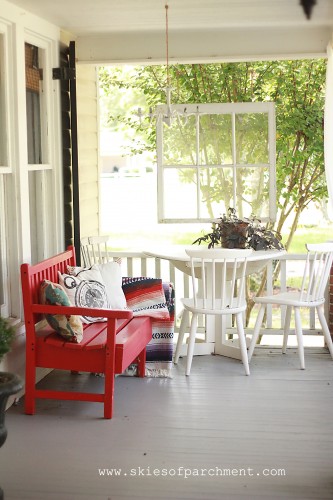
{"x":108,"y":394}
{"x":109,"y":377}
{"x":141,"y":361}
{"x":29,"y":402}
{"x":30,"y":384}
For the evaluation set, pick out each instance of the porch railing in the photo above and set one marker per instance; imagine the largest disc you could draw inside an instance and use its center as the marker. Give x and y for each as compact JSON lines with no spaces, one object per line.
{"x":287,"y":272}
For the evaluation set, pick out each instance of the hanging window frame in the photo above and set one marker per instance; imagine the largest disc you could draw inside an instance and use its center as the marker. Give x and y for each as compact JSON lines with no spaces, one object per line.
{"x":200,"y":110}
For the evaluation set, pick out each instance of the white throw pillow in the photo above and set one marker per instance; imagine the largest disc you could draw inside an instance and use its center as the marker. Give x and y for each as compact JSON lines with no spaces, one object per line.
{"x":111,"y":274}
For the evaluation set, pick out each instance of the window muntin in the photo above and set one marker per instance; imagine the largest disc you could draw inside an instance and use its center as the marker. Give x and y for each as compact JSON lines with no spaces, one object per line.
{"x":214,"y":156}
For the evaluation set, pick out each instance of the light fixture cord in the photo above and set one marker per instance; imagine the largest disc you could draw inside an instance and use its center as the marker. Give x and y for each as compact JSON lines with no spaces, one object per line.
{"x":167,"y":41}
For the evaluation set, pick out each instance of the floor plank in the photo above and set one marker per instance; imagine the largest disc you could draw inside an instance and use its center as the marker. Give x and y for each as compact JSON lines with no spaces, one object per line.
{"x":223,"y":428}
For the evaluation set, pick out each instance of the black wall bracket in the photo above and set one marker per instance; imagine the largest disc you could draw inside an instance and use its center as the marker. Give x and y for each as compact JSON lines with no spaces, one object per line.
{"x":63,"y":73}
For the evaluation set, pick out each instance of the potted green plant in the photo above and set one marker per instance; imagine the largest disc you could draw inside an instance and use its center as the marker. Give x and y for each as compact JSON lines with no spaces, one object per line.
{"x":9,"y":382}
{"x":229,"y":231}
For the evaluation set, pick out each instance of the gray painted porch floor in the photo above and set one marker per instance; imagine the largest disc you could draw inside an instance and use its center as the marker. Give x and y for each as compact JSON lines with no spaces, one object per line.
{"x":217,"y":420}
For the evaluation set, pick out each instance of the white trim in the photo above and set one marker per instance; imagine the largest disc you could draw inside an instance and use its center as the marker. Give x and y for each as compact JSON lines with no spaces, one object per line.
{"x":221,"y":108}
{"x":41,"y":166}
{"x":205,"y":46}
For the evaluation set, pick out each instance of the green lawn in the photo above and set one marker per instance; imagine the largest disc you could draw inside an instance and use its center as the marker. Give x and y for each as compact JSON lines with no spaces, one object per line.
{"x":141,"y":239}
{"x":303,"y":235}
{"x":311,"y":234}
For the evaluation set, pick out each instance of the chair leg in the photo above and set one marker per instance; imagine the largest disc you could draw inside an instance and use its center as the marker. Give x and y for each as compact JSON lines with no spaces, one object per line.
{"x":299,"y":335}
{"x":326,"y":332}
{"x":183,"y":324}
{"x":256,"y":330}
{"x":242,"y":342}
{"x":191,"y":343}
{"x":286,"y":329}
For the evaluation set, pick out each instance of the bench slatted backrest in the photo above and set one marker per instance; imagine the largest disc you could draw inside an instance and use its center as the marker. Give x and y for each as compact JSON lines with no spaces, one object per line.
{"x":33,"y":275}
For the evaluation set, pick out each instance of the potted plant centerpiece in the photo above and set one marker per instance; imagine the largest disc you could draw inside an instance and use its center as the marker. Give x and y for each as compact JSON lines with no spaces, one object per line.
{"x":9,"y":382}
{"x":229,"y":231}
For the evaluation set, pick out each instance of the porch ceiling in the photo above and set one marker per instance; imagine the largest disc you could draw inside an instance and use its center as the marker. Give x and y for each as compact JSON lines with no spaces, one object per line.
{"x":128,"y":30}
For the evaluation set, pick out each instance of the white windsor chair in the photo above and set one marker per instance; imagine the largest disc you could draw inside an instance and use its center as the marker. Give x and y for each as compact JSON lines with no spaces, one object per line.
{"x":312,"y":294}
{"x":94,"y":250}
{"x":222,"y":273}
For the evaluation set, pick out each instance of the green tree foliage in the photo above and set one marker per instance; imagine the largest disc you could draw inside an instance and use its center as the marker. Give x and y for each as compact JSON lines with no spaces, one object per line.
{"x":297,"y":88}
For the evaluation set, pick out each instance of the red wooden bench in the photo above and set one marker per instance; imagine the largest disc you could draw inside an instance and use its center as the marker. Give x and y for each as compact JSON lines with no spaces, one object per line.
{"x":107,"y":347}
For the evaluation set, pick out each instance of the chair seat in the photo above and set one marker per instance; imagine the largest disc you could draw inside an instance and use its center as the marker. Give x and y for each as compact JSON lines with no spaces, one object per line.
{"x":289,"y":299}
{"x":213,"y":307}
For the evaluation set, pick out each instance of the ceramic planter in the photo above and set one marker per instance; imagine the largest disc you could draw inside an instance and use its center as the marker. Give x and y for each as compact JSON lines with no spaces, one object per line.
{"x":233,"y":234}
{"x":9,"y":384}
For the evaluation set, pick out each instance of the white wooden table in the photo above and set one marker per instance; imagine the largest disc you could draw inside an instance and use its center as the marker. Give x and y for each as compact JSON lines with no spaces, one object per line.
{"x":216,"y":337}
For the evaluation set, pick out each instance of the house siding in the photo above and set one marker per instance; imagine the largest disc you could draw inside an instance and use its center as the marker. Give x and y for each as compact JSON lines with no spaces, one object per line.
{"x":87,"y":108}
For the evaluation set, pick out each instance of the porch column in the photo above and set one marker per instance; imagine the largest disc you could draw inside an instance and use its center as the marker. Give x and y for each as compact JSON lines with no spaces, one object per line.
{"x":330,"y":310}
{"x":328,"y":123}
{"x":328,"y":152}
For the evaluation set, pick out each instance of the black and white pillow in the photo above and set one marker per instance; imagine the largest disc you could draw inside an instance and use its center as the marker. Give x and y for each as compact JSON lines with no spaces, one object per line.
{"x":110,"y":275}
{"x":87,"y":289}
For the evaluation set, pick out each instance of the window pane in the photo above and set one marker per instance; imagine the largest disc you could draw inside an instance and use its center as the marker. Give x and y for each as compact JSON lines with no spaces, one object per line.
{"x":35,"y":123}
{"x":33,"y":129}
{"x":216,"y":185}
{"x":179,"y":142}
{"x":251,"y":138}
{"x":215,"y":140}
{"x":41,"y":215}
{"x":180,"y":193}
{"x":252,"y":188}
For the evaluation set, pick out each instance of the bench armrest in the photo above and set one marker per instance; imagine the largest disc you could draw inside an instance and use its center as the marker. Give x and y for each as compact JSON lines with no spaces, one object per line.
{"x":82,"y":311}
